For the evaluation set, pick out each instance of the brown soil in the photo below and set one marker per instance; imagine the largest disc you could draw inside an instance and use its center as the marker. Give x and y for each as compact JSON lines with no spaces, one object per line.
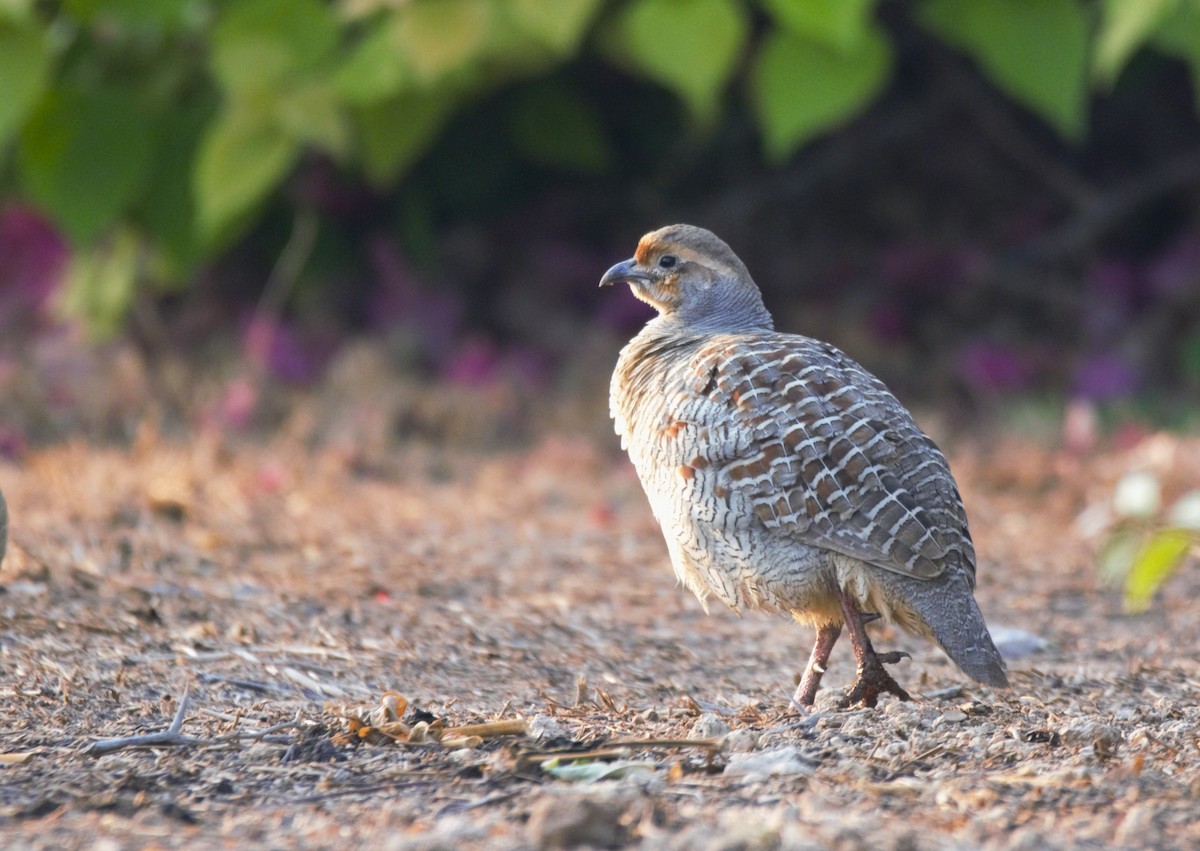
{"x":282,"y":586}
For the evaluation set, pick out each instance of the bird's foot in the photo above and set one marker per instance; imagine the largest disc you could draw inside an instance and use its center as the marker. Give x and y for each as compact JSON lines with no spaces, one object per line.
{"x":874,"y":680}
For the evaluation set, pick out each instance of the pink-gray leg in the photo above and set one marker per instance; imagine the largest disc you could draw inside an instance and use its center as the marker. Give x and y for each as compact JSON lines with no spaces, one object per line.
{"x":806,"y":692}
{"x":873,"y":679}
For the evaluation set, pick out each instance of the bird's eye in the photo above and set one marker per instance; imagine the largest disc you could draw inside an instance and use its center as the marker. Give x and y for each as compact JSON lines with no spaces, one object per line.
{"x":667,"y":261}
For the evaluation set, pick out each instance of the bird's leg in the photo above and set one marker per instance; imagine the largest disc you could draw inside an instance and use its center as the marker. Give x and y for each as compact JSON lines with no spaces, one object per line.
{"x":873,"y":679}
{"x":806,"y":692}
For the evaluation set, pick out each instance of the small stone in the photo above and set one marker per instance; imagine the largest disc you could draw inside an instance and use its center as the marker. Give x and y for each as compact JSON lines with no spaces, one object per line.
{"x":743,"y":740}
{"x":543,"y":728}
{"x":1014,"y":643}
{"x":782,"y":762}
{"x":570,"y":820}
{"x":954,"y":716}
{"x":708,"y":726}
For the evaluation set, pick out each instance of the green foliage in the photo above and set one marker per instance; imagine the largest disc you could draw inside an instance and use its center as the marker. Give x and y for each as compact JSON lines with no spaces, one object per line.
{"x":1035,"y":50}
{"x":24,"y":66}
{"x":1146,"y":545}
{"x":689,"y":46}
{"x":83,"y":156}
{"x":837,"y":83}
{"x":1124,"y":28}
{"x":172,"y":124}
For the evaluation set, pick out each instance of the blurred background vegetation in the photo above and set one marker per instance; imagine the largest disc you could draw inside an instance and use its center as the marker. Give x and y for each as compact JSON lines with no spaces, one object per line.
{"x":364,"y":220}
{"x":983,"y":199}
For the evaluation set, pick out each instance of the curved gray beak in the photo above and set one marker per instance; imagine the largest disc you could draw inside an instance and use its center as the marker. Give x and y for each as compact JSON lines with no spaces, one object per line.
{"x":625,"y":272}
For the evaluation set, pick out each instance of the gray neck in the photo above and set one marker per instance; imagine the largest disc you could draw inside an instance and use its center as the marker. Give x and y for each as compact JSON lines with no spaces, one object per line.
{"x":732,"y":312}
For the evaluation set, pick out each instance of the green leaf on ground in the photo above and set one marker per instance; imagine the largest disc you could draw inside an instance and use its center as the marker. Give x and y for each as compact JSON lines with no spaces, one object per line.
{"x":841,"y":24}
{"x":25,"y":59}
{"x":1036,"y":51}
{"x":83,"y":157}
{"x":801,"y":87}
{"x":580,"y":771}
{"x":242,"y":158}
{"x":689,"y":46}
{"x":1157,"y":560}
{"x":1116,"y":557}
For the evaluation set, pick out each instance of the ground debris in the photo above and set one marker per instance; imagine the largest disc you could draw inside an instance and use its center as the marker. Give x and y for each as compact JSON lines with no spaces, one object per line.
{"x":522,"y":627}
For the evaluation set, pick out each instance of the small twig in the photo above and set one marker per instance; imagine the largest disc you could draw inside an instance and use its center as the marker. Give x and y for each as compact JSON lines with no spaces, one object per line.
{"x":488,"y":730}
{"x":620,"y":748}
{"x":171,"y":737}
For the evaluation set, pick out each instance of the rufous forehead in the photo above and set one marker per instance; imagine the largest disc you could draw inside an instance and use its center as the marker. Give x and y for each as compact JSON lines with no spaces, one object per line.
{"x":646,"y":247}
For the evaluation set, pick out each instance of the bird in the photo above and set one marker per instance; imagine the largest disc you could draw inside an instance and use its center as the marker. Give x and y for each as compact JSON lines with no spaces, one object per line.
{"x":785,"y":476}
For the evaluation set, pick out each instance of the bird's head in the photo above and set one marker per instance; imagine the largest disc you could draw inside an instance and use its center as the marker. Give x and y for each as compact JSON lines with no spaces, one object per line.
{"x":690,"y":276}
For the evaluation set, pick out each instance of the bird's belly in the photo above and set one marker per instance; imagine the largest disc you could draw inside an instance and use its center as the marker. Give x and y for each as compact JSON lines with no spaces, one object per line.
{"x":747,"y":568}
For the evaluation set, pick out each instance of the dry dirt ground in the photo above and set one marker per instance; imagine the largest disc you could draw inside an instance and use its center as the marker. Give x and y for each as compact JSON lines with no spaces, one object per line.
{"x":289,"y":591}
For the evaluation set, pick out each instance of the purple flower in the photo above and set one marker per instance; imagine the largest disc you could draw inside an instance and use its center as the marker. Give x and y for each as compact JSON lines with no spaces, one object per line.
{"x":913,"y":269}
{"x":33,"y":258}
{"x":992,"y":367}
{"x":402,"y":300}
{"x":1105,"y":376}
{"x":278,"y":348}
{"x":1177,"y":269}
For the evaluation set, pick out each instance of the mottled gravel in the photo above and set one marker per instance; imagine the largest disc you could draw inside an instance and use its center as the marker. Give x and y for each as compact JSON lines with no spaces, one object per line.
{"x":286,"y":585}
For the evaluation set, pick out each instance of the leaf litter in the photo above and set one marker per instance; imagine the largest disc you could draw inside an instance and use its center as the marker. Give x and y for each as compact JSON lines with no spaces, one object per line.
{"x":261,"y":643}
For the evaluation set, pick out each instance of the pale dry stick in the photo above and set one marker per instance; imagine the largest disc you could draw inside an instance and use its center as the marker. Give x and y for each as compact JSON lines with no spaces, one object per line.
{"x":169,"y":738}
{"x":172,"y":737}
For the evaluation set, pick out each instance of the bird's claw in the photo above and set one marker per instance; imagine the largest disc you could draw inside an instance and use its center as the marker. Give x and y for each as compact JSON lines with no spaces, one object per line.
{"x":873,"y":680}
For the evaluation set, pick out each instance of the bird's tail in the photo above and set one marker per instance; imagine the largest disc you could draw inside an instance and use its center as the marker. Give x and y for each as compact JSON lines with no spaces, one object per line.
{"x":956,"y":623}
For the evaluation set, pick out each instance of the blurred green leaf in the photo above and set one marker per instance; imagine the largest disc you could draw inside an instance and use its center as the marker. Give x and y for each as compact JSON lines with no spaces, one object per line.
{"x":1034,"y":50}
{"x":313,"y":114}
{"x":690,"y":46}
{"x":1156,"y":561}
{"x":83,"y":157}
{"x":394,"y":133}
{"x":165,"y":14}
{"x":558,"y":28}
{"x":167,"y":210}
{"x":16,"y":10}
{"x":439,"y":36}
{"x":101,"y":282}
{"x":841,"y":24}
{"x":552,"y":125}
{"x":1116,"y":557}
{"x":25,"y":60}
{"x":801,"y":88}
{"x":259,"y":44}
{"x":581,"y":771}
{"x":243,"y":156}
{"x":377,"y":67}
{"x":1179,"y":35}
{"x":1124,"y":27}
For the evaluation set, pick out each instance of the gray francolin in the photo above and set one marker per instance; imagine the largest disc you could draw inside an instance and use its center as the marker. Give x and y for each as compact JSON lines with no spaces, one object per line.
{"x":784,"y":475}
